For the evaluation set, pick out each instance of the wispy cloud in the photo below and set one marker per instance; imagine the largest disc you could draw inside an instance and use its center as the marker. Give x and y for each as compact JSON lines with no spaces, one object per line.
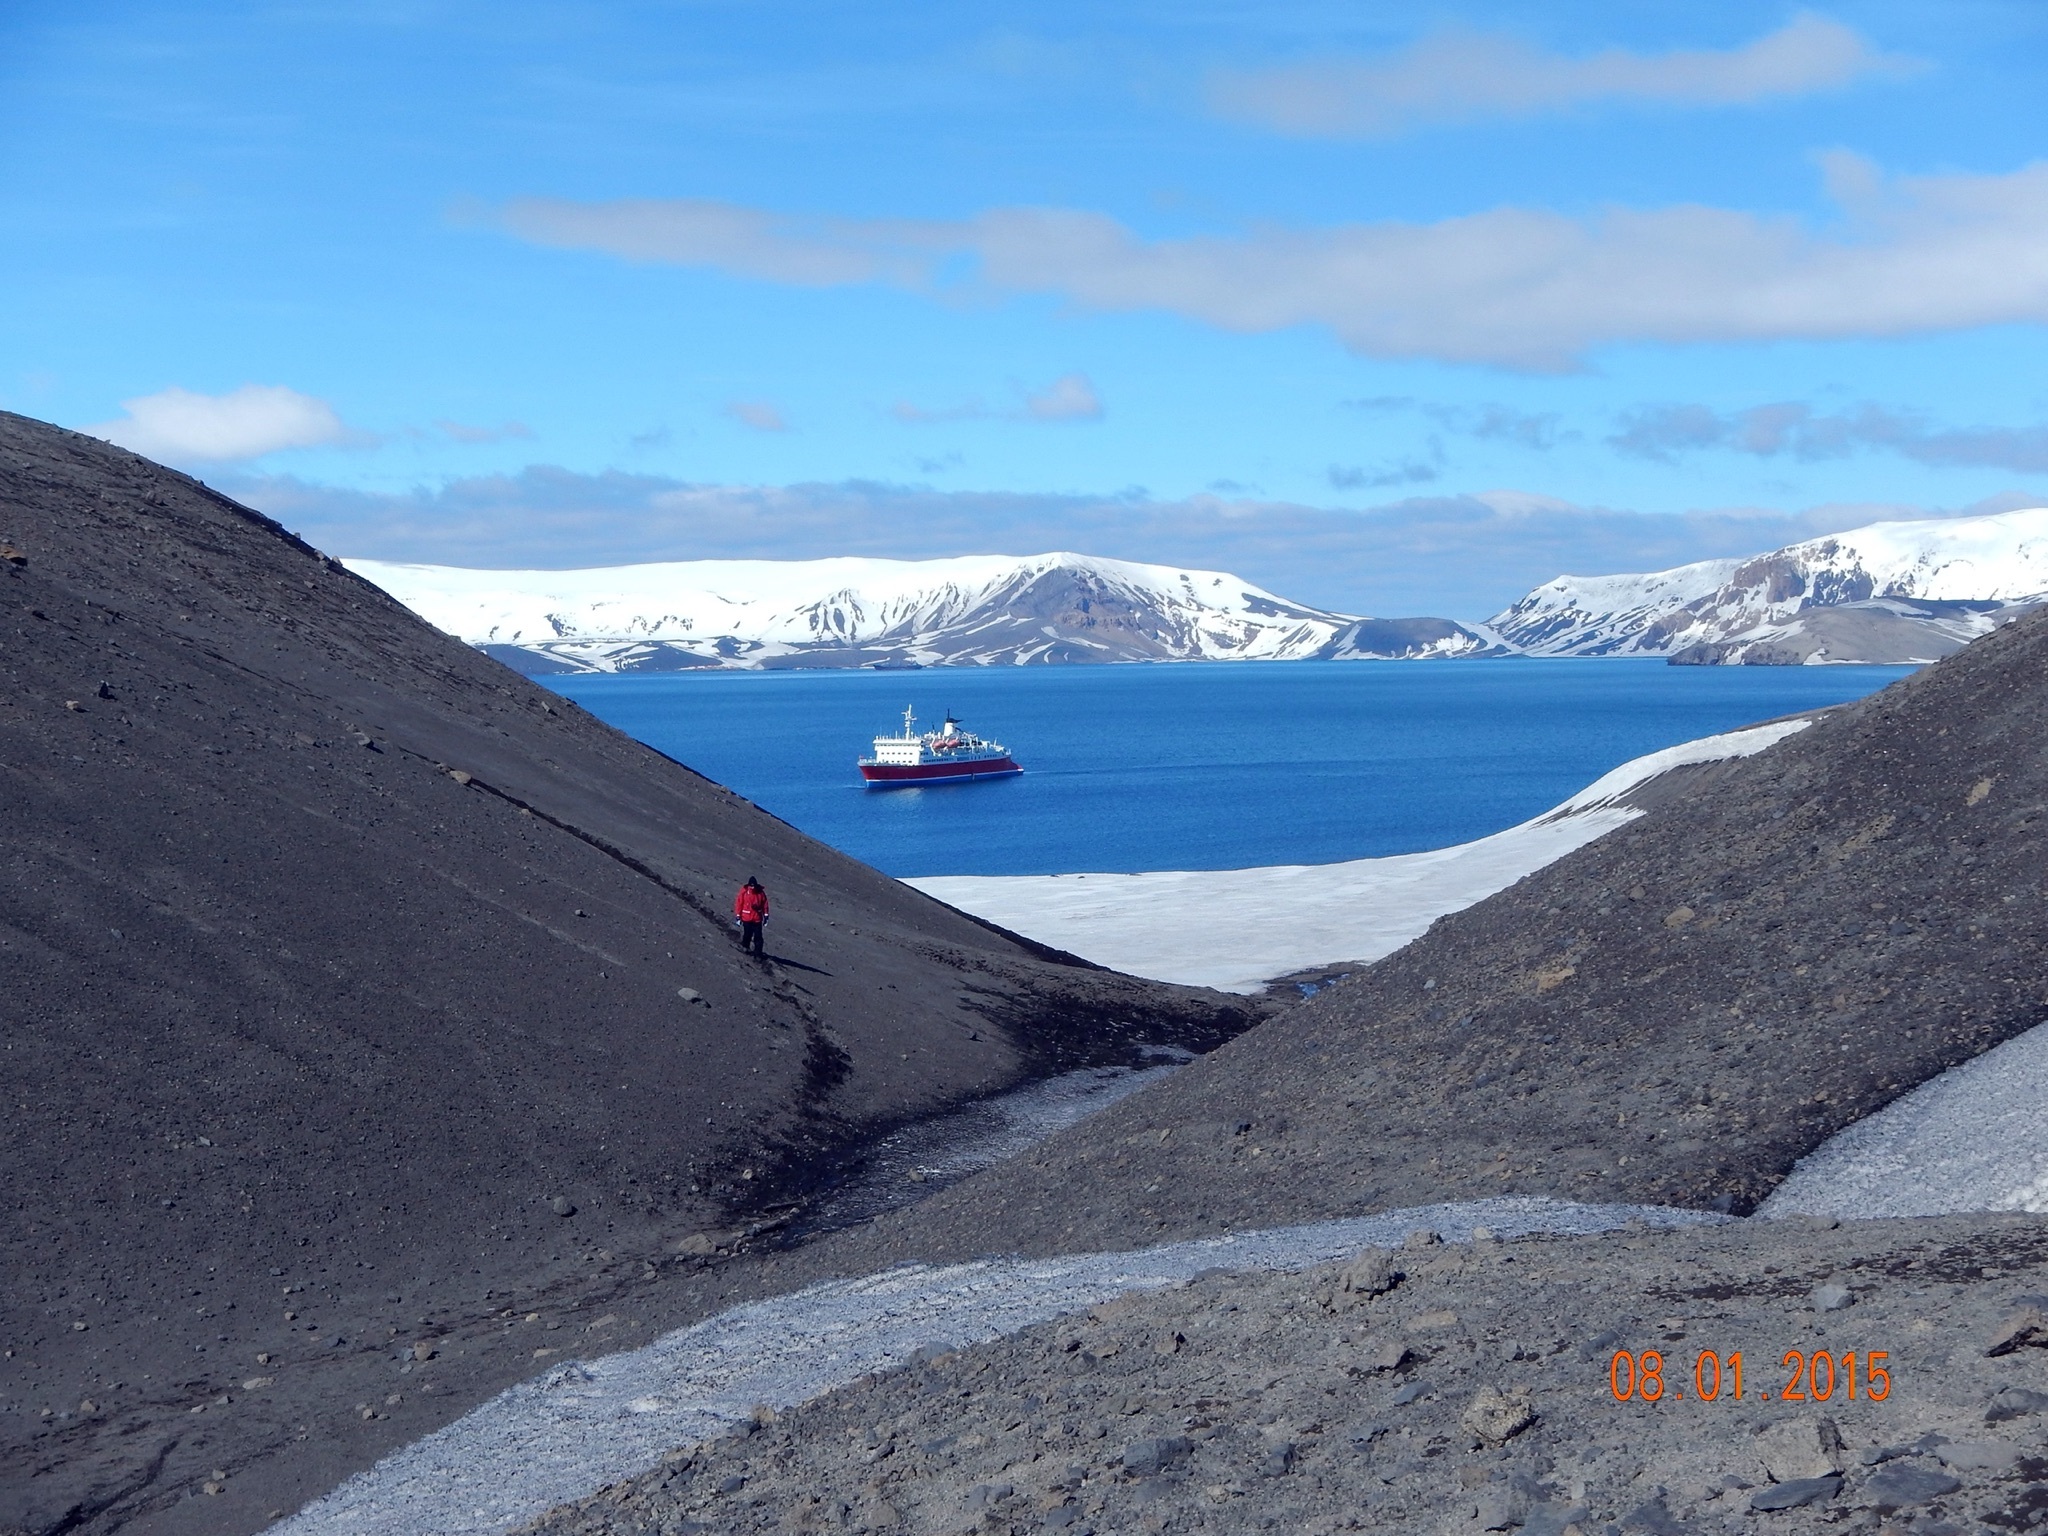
{"x":1460,"y":556}
{"x":1795,"y":430}
{"x":758,"y":414}
{"x":1488,"y":421}
{"x":1068,"y":398}
{"x":462,"y":433}
{"x":1461,"y":76}
{"x":1071,"y":397}
{"x":1522,"y":288}
{"x":246,"y":423}
{"x":1409,"y":471}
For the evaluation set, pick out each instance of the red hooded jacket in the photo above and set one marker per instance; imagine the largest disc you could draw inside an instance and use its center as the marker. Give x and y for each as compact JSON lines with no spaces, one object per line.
{"x":751,"y":905}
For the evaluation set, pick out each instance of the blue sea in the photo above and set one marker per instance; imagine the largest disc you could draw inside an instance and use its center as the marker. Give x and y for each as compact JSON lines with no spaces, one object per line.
{"x":1194,"y":766}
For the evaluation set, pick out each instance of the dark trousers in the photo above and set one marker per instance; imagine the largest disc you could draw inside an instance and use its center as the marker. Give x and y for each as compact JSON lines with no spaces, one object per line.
{"x":750,"y":938}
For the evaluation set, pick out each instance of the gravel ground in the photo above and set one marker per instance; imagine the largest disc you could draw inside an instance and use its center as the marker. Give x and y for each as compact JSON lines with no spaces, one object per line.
{"x":1443,"y":1388}
{"x":589,"y":1422}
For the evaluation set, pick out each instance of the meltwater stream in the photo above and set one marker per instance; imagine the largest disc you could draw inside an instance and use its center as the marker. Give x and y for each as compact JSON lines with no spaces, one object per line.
{"x":920,"y":1159}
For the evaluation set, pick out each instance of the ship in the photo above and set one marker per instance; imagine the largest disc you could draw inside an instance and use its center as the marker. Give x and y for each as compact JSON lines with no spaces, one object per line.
{"x":951,"y":754}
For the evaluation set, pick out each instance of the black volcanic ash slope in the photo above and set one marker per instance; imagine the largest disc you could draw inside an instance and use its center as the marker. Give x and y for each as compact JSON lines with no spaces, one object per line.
{"x":1674,"y":1014}
{"x":335,"y":959}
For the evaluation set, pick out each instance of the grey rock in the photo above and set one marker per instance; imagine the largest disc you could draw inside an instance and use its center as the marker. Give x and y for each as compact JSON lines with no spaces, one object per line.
{"x":1502,"y":1507}
{"x":982,"y":1495}
{"x":1371,"y":1274}
{"x":1796,"y":1494}
{"x":1798,"y":1449}
{"x":2025,"y":1329}
{"x":1980,"y":1455}
{"x":1422,"y":1237}
{"x":1551,"y":1519}
{"x":1901,"y":1487}
{"x":1278,"y":1461}
{"x":1653,"y":1516}
{"x":2013,"y":1403}
{"x":561,"y":1205}
{"x":1403,"y":1396}
{"x":1146,"y":1458}
{"x":1496,"y":1417}
{"x":1832,"y":1298}
{"x":1390,"y":1356}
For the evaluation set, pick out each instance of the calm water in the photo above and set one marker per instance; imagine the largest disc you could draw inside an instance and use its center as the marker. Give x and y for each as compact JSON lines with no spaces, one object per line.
{"x":1213,"y":766}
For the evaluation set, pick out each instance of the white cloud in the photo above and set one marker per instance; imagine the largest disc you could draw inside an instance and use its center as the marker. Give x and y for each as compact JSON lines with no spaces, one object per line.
{"x":1068,"y":398}
{"x":803,"y":252}
{"x":1459,"y":76}
{"x":758,"y":414}
{"x":244,"y":423}
{"x":1522,"y":288}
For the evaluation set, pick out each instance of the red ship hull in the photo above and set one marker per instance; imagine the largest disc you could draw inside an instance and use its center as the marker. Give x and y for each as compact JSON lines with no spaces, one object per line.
{"x":905,"y":775}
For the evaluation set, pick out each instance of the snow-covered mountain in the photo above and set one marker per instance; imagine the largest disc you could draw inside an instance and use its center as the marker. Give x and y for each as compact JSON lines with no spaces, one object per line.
{"x":973,"y":610}
{"x":1906,"y":591}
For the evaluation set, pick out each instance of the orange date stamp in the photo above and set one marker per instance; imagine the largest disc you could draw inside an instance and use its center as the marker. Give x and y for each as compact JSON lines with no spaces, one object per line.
{"x":1816,"y":1377}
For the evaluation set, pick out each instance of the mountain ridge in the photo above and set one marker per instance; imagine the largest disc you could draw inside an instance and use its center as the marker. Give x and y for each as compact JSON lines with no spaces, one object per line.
{"x":1888,"y":592}
{"x":848,"y":611}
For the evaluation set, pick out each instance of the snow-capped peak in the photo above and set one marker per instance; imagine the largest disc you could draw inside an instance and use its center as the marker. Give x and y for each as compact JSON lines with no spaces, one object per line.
{"x":853,"y":611}
{"x":2001,"y":558}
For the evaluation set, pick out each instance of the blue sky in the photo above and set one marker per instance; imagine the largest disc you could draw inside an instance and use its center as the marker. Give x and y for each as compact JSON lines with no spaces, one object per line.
{"x":1396,"y":309}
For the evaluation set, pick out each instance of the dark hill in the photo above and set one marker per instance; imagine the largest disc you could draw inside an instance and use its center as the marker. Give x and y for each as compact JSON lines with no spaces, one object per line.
{"x":336,"y":960}
{"x":1673,"y":1014}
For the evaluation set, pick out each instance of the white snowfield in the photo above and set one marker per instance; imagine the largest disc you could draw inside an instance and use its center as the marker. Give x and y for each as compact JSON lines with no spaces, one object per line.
{"x":1973,"y":1139}
{"x":1998,"y":558}
{"x":1237,"y":929}
{"x":778,"y":607}
{"x":585,"y":1424}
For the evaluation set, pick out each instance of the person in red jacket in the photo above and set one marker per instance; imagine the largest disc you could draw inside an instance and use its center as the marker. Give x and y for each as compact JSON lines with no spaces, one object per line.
{"x":751,"y":908}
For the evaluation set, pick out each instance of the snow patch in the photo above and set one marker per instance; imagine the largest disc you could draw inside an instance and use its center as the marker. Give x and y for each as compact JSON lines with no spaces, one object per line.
{"x":1973,"y":1139}
{"x":1236,"y":929}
